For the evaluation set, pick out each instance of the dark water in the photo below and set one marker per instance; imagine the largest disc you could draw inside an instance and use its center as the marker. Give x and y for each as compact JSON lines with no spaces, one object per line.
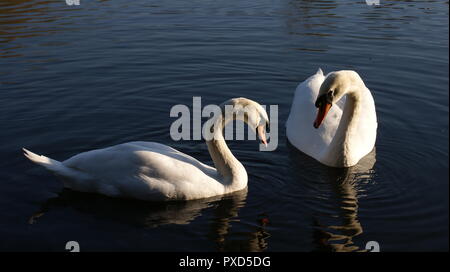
{"x":106,"y":72}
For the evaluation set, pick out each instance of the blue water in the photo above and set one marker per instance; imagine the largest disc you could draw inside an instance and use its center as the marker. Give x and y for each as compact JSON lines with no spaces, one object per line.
{"x":76,"y":78}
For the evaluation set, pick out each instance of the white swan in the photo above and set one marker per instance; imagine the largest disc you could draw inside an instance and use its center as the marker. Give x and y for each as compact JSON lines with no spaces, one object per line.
{"x":349,"y":131}
{"x":153,"y":171}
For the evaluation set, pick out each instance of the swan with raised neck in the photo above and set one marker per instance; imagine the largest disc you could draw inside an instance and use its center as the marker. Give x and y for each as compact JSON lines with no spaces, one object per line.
{"x":350,"y":133}
{"x":231,"y":169}
{"x":153,"y":171}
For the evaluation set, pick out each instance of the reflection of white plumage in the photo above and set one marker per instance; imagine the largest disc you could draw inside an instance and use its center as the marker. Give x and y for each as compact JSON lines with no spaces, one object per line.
{"x":349,"y":131}
{"x":153,"y":171}
{"x":145,"y":213}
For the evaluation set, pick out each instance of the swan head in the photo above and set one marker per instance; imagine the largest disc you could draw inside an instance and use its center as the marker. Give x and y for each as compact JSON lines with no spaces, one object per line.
{"x":248,"y":111}
{"x":334,"y":87}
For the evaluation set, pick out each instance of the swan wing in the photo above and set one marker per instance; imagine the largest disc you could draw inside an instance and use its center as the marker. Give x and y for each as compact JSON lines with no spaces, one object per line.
{"x":299,"y":126}
{"x":145,"y":170}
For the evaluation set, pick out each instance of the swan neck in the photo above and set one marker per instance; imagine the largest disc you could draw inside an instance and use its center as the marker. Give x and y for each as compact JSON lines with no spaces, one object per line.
{"x":340,"y":146}
{"x":232,"y":172}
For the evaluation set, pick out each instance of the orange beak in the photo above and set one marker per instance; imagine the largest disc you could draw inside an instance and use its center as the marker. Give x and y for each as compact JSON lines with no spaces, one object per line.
{"x":321,"y":113}
{"x":262,"y":134}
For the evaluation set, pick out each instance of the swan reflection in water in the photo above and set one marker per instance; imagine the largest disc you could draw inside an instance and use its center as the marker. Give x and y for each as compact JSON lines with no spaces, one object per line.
{"x":332,"y":198}
{"x":154,"y":214}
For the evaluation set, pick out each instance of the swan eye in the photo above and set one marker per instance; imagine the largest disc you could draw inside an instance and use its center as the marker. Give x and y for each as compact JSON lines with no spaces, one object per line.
{"x":330,"y":93}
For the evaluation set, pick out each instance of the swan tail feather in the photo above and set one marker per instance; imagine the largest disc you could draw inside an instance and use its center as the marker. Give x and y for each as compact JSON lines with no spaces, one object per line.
{"x":320,"y":72}
{"x":54,"y":165}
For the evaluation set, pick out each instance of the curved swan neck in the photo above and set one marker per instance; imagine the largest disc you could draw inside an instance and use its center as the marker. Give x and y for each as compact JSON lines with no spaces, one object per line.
{"x":350,"y":115}
{"x":233,"y":173}
{"x":347,"y":129}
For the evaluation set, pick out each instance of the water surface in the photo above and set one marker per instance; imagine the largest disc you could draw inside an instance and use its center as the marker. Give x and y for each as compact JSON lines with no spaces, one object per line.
{"x":75,"y":78}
